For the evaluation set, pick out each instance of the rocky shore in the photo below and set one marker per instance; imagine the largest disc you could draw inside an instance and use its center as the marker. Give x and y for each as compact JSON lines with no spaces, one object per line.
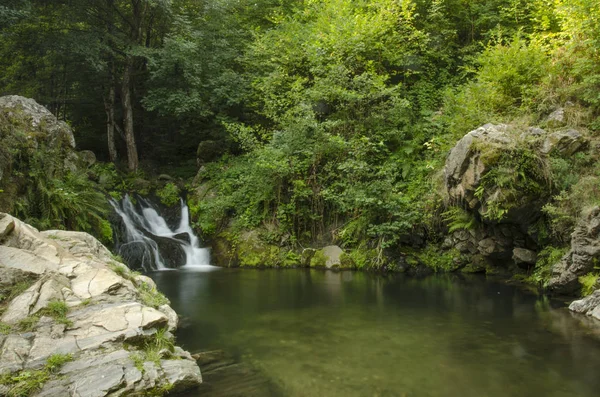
{"x":75,"y":321}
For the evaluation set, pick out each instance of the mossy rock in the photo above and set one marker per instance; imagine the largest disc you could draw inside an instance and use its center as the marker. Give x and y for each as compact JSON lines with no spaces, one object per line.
{"x":319,"y":259}
{"x":252,"y":251}
{"x":346,"y":261}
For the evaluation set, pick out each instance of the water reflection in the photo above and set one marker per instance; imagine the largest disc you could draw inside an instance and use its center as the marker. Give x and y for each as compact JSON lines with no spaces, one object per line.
{"x":359,"y":334}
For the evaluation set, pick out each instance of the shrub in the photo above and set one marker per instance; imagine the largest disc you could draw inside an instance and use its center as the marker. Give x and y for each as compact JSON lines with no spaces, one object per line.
{"x":169,"y":195}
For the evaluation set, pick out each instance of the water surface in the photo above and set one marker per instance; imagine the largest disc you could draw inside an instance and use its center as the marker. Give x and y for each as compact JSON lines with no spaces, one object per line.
{"x":318,"y":333}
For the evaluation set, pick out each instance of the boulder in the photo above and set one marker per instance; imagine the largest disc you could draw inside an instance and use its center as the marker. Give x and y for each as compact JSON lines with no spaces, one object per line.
{"x":27,"y":111}
{"x":556,"y":118}
{"x":581,"y":259}
{"x":87,"y":158}
{"x":328,"y":257}
{"x":171,"y":250}
{"x":523,"y":256}
{"x":464,"y":166}
{"x":590,"y":305}
{"x":567,"y":143}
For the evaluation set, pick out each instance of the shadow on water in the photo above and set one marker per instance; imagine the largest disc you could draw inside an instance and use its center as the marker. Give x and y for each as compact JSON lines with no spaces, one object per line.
{"x":318,"y":333}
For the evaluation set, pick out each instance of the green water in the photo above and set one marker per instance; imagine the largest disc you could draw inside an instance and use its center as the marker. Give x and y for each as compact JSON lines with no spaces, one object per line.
{"x":317,"y":333}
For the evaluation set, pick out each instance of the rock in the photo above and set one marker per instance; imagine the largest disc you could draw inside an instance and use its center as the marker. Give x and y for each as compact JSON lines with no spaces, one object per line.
{"x":464,"y":167}
{"x":556,"y":118}
{"x":332,"y":254}
{"x":165,"y":178}
{"x":172,"y":318}
{"x":590,"y":305}
{"x":253,"y":251}
{"x":184,"y":237}
{"x":79,"y":244}
{"x":182,"y":374}
{"x":567,"y":143}
{"x":171,"y":250}
{"x":306,"y":256}
{"x":141,"y":185}
{"x":104,"y":313}
{"x":87,"y":158}
{"x":14,"y":353}
{"x":523,"y":256}
{"x":25,"y":260}
{"x":7,"y":225}
{"x":329,"y":257}
{"x":38,"y":118}
{"x":580,"y":260}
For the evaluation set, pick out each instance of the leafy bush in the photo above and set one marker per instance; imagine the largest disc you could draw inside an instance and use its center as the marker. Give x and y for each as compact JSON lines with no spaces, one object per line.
{"x":507,"y":77}
{"x":547,"y":258}
{"x":169,"y":195}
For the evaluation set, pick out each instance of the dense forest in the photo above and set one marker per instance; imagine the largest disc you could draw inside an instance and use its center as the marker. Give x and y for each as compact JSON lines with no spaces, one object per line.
{"x":309,"y":121}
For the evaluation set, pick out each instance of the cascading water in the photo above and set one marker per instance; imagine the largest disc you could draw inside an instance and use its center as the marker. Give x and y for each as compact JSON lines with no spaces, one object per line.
{"x":149,"y":243}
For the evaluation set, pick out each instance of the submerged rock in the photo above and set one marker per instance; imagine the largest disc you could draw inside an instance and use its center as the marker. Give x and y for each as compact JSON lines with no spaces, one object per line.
{"x":106,"y":325}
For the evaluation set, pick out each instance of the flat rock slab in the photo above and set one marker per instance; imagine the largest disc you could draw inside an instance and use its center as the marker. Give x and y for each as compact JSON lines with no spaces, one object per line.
{"x":26,"y":261}
{"x":100,"y":324}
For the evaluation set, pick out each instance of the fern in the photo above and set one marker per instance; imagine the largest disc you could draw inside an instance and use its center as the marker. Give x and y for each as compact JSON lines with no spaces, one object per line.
{"x":459,"y":219}
{"x":55,"y":198}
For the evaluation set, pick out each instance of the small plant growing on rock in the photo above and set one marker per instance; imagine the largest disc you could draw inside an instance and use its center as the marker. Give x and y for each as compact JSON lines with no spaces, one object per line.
{"x":26,"y":383}
{"x":588,"y":283}
{"x":58,"y":311}
{"x":150,"y":296}
{"x":27,"y":324}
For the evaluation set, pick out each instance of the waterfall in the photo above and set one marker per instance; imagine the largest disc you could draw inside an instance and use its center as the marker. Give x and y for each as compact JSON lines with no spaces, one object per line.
{"x":146,"y":241}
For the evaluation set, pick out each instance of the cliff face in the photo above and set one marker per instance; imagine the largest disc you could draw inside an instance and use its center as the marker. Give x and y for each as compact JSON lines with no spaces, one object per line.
{"x":80,"y":323}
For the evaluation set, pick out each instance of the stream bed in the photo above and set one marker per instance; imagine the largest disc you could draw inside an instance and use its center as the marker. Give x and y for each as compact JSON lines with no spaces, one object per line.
{"x":323,"y":333}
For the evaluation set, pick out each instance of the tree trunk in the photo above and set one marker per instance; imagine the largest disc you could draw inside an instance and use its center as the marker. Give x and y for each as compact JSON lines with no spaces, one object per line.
{"x":132,"y":156}
{"x":109,"y":106}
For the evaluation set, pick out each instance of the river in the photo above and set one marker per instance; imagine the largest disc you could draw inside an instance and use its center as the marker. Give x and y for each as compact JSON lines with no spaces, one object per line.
{"x":323,"y":333}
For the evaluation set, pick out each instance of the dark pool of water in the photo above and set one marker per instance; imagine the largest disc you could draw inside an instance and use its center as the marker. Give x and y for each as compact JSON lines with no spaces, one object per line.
{"x":317,"y":333}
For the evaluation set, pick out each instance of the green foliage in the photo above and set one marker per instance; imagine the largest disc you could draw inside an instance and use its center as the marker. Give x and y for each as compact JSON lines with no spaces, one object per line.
{"x":156,"y":347}
{"x":459,"y":219}
{"x":589,"y":283}
{"x":5,"y":329}
{"x":58,"y":311}
{"x":27,"y":324}
{"x":507,"y":78}
{"x":516,"y":176}
{"x":150,"y":296}
{"x":319,"y":259}
{"x":547,"y":258}
{"x":169,"y":194}
{"x":364,"y":258}
{"x":440,"y":261}
{"x":54,"y":197}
